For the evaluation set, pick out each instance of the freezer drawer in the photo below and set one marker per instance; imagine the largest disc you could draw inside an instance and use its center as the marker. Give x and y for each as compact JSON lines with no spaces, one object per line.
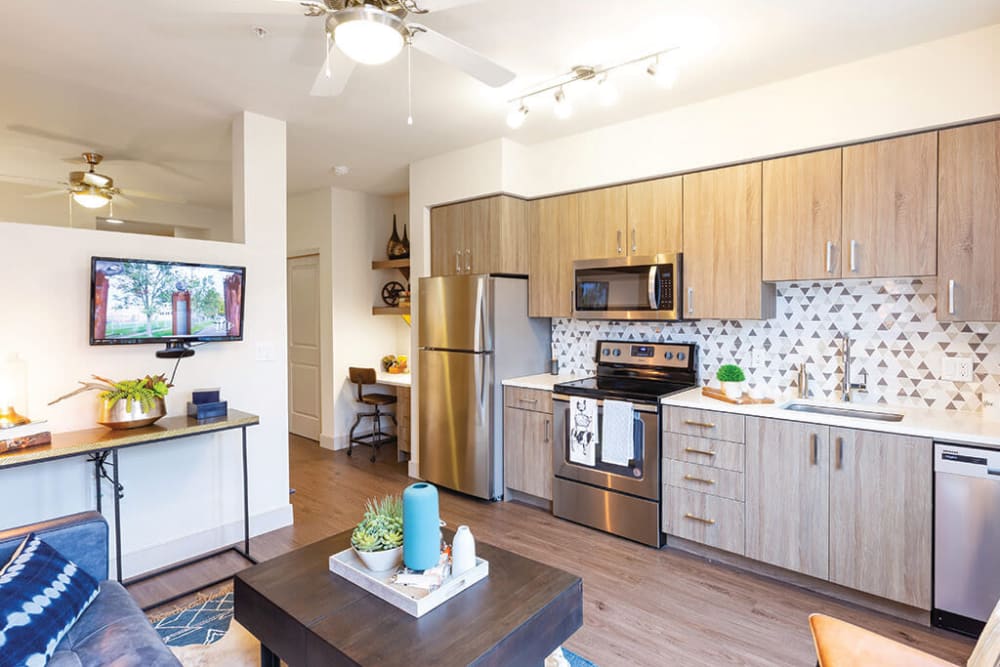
{"x":456,"y":422}
{"x":456,"y":313}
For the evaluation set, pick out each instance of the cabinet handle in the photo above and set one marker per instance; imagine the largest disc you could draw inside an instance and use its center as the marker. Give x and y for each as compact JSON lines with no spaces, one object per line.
{"x":951,"y":297}
{"x":690,"y":301}
{"x":458,"y":261}
{"x":854,"y":256}
{"x":691,"y":422}
{"x":527,"y":400}
{"x":698,"y":518}
{"x":468,"y":260}
{"x":703,"y":452}
{"x":814,"y":445}
{"x":692,"y":478}
{"x":546,"y":430}
{"x":840,"y":453}
{"x":620,"y":249}
{"x":829,"y":256}
{"x":635,"y":245}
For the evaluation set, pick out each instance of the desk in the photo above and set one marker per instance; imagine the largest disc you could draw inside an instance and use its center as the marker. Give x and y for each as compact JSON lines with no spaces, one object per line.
{"x":401,"y":382}
{"x":100,"y":444}
{"x":392,"y":379}
{"x":308,"y":616}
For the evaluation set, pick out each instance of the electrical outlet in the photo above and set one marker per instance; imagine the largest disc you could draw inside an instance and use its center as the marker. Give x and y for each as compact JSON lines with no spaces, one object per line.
{"x":963,"y":369}
{"x":757,"y":358}
{"x":265,"y":351}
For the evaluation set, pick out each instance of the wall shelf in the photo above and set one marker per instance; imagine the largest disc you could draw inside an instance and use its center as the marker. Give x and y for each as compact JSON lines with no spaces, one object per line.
{"x":390,"y":310}
{"x":402,"y":264}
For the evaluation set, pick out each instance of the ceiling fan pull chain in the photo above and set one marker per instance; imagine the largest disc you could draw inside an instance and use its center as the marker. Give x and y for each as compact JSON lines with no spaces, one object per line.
{"x":326,"y":65}
{"x":409,"y":80}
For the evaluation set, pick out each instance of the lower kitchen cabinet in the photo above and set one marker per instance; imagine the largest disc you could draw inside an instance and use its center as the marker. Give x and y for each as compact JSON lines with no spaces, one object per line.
{"x":788,"y":495}
{"x":527,"y":452}
{"x":880,"y":514}
{"x":704,"y":518}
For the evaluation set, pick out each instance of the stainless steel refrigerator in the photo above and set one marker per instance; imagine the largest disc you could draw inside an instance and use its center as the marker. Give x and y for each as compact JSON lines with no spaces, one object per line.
{"x":474,"y":332}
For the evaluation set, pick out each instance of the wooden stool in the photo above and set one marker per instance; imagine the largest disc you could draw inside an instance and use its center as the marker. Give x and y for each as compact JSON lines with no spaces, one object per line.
{"x":377,"y":438}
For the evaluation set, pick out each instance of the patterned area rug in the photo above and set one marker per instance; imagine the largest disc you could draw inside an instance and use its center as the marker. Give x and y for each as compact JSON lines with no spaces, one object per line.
{"x":204,"y":634}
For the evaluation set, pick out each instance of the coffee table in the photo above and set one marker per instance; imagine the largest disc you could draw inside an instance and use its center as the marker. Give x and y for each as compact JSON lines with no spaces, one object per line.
{"x":308,"y":616}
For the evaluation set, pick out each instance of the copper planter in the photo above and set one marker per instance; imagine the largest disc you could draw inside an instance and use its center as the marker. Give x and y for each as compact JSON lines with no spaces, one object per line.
{"x":118,"y":416}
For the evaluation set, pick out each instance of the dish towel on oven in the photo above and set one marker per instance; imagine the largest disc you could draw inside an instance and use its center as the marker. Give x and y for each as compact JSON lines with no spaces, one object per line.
{"x":583,"y":432}
{"x":617,"y":440}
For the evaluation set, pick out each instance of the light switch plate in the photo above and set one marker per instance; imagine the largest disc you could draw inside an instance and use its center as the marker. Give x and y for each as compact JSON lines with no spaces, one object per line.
{"x":265,"y":352}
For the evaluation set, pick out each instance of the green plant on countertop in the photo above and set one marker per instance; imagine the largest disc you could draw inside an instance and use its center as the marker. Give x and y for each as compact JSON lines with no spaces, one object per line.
{"x":730,"y":373}
{"x":381,"y":528}
{"x":145,"y":390}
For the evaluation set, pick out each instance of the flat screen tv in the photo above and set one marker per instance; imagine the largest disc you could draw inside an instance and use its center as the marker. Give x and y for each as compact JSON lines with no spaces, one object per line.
{"x":145,"y":301}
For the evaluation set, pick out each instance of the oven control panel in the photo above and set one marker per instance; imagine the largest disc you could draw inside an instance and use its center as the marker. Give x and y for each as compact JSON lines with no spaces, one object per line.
{"x":662,"y":355}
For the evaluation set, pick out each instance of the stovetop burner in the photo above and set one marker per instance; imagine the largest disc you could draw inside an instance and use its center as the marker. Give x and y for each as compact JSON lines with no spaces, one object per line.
{"x":643,"y":391}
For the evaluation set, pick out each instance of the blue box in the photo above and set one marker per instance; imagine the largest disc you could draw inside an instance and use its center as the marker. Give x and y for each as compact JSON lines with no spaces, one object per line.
{"x":208,"y":410}
{"x":199,"y":396}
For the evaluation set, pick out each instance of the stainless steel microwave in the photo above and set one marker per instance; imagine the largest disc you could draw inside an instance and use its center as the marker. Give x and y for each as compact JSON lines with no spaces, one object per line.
{"x":628,"y":288}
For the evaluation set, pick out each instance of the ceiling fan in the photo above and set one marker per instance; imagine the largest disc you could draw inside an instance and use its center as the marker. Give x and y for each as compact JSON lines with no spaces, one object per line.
{"x":373,"y":32}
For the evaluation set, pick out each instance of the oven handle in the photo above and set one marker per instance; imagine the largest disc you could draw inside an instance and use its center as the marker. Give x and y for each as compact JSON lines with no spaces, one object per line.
{"x":638,"y":407}
{"x":654,"y":301}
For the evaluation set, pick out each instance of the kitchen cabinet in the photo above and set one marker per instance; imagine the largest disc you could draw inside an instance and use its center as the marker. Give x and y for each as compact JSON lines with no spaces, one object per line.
{"x":655,"y":222}
{"x":403,"y":419}
{"x":968,"y":233}
{"x":602,"y":222}
{"x":802,"y":216}
{"x":890,"y":207}
{"x":554,"y":236}
{"x":527,"y":448}
{"x":722,"y":245}
{"x":788,"y":495}
{"x":880,"y":514}
{"x":481,"y":236}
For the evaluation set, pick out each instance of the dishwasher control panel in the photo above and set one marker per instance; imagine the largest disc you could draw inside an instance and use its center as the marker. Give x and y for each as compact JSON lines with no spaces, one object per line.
{"x":968,"y":461}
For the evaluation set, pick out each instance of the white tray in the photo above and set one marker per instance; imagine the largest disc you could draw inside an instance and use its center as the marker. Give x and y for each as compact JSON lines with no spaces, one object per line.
{"x":414,"y":601}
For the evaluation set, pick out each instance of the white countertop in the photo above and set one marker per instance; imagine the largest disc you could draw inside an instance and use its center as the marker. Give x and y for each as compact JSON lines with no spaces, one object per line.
{"x":393,"y":379}
{"x":948,"y":425}
{"x":543,"y":381}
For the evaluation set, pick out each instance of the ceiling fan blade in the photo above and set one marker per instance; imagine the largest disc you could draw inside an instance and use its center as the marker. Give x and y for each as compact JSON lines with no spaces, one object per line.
{"x":139,"y":194}
{"x":122,"y":200}
{"x":25,"y":180}
{"x":55,"y":136}
{"x":245,"y":6}
{"x":50,"y":193}
{"x":449,"y":51}
{"x":432,"y":6}
{"x":341,"y":68}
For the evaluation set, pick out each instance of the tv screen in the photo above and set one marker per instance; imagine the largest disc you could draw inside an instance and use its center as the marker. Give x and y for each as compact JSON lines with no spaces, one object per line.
{"x":146,"y":301}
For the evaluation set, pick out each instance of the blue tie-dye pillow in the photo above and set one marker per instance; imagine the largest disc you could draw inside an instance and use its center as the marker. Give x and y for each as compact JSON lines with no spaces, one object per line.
{"x":41,"y":596}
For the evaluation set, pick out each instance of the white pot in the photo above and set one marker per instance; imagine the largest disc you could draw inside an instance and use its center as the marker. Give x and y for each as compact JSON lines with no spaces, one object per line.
{"x":380,"y":561}
{"x":733,"y":390}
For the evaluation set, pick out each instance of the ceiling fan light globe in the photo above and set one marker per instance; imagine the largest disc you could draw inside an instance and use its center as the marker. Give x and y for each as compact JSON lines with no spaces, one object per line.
{"x":366,"y":34}
{"x":91,"y":199}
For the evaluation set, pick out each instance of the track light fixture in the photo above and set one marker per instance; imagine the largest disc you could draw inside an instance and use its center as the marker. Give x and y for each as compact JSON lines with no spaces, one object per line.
{"x":663,"y":72}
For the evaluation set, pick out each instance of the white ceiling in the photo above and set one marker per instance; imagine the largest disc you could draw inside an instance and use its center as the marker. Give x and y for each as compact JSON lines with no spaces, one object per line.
{"x":159,"y":80}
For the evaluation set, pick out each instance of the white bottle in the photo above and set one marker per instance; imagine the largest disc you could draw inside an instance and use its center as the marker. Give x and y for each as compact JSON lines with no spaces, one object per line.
{"x":463,"y":551}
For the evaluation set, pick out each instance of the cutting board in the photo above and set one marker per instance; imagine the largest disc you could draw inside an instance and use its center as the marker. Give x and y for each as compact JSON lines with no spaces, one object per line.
{"x":745,"y":399}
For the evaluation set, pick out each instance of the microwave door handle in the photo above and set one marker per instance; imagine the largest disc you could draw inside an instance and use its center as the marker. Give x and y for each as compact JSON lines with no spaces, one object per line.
{"x":654,"y":301}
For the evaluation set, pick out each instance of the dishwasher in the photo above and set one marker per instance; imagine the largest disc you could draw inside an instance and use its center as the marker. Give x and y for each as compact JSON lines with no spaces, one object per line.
{"x":966,"y":536}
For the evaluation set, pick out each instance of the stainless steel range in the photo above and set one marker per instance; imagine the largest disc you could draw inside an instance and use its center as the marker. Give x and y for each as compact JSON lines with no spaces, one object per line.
{"x":617,"y":492}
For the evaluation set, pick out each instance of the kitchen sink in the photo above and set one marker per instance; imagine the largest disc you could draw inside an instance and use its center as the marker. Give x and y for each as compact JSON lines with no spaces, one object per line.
{"x":838,"y":411}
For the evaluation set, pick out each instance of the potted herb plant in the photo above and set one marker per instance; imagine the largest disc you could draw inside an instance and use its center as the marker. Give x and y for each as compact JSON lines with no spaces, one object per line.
{"x":127,"y":403}
{"x":378,"y":539}
{"x":731,"y":377}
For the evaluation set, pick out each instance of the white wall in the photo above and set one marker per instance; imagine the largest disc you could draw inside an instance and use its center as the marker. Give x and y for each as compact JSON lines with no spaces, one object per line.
{"x":181,"y":497}
{"x":941,"y":82}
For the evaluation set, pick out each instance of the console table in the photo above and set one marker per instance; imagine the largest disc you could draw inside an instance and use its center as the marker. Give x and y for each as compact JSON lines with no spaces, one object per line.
{"x":101,"y":444}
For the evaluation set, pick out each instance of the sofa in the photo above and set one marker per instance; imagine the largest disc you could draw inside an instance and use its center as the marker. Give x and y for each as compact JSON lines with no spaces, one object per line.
{"x":113,"y":630}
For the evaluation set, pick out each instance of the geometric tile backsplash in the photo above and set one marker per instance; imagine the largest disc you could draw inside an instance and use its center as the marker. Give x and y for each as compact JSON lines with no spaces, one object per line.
{"x":897,"y":341}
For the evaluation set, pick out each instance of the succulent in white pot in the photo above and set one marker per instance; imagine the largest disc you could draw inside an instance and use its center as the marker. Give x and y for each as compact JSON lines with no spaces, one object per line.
{"x":378,"y":539}
{"x":731,"y":377}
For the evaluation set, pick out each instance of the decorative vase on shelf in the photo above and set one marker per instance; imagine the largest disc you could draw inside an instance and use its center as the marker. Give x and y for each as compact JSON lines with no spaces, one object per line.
{"x":421,"y":527}
{"x":406,"y":244}
{"x":395,"y":249}
{"x":463,"y":551}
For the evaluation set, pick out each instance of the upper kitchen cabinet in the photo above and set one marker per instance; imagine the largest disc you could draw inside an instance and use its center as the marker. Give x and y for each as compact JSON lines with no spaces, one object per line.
{"x":802,"y":225}
{"x":602,"y":222}
{"x":480,"y":236}
{"x":655,"y":217}
{"x":890,"y":208}
{"x":554,"y":237}
{"x":722,"y":245}
{"x":968,"y":231}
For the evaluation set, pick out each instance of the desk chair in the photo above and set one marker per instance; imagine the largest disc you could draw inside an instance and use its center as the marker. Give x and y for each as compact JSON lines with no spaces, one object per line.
{"x":361,"y":377}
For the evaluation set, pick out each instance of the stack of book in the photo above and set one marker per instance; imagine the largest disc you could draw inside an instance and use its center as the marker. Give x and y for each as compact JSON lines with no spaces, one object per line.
{"x":207,"y":404}
{"x":32,"y":434}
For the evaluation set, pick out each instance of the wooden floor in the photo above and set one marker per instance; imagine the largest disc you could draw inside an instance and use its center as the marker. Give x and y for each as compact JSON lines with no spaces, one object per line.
{"x":641,"y":606}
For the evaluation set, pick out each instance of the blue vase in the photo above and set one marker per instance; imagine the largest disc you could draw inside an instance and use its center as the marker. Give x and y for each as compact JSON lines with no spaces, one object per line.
{"x":421,"y":527}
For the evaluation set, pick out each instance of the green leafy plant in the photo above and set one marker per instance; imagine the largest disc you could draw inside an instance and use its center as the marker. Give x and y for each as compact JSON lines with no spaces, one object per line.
{"x":382,"y":526}
{"x":145,"y":390}
{"x":730,"y":373}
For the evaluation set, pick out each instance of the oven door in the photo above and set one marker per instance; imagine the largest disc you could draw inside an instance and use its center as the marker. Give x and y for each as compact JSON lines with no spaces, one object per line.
{"x":640,"y":478}
{"x":630,"y":288}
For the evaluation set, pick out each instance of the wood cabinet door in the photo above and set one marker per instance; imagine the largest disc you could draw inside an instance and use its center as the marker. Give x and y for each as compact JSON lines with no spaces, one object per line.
{"x":802,"y":218}
{"x":655,"y":216}
{"x":722,"y":244}
{"x":479,"y":219}
{"x":553,"y":247}
{"x":509,"y":238}
{"x":403,"y":419}
{"x":527,"y":452}
{"x":447,"y":240}
{"x":890,"y":208}
{"x":968,"y":232}
{"x":788,"y":495}
{"x":880,"y":514}
{"x":601,"y":227}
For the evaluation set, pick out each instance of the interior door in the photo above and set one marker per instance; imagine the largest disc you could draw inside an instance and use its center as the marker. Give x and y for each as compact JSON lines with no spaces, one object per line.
{"x":304,"y":347}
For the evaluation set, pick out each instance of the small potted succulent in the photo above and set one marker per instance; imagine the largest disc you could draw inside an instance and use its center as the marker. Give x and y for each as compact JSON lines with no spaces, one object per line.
{"x":731,"y":377}
{"x":127,"y":403}
{"x":378,"y":539}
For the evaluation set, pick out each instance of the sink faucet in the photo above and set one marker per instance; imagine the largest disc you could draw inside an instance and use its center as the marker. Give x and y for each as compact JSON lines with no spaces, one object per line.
{"x":847,"y":385}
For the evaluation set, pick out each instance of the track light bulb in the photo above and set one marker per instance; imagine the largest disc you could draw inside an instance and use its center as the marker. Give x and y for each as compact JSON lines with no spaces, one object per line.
{"x":663,"y":73}
{"x":607,"y":92}
{"x":517,"y":115}
{"x":563,"y":108}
